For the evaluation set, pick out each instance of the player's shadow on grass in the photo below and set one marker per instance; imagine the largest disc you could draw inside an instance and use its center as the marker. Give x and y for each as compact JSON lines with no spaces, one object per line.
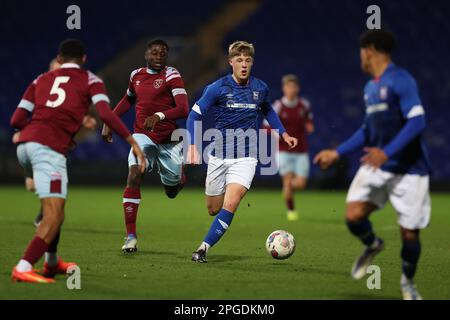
{"x":155,"y":253}
{"x":324,"y":220}
{"x":68,"y":229}
{"x":228,"y":258}
{"x":366,"y":296}
{"x":89,"y":230}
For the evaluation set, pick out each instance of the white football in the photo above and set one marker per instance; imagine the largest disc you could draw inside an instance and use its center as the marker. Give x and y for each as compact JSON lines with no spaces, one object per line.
{"x":280,"y":244}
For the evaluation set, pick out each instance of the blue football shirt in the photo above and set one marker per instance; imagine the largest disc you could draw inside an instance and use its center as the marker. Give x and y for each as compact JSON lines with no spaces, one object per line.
{"x":235,"y":110}
{"x":390,"y":101}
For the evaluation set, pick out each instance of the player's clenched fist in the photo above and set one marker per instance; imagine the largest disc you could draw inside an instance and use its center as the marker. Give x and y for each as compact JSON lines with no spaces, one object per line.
{"x":15,"y":137}
{"x":151,"y":121}
{"x":193,"y":157}
{"x":374,"y":157}
{"x":107,"y":134}
{"x":325,"y":158}
{"x":291,"y":141}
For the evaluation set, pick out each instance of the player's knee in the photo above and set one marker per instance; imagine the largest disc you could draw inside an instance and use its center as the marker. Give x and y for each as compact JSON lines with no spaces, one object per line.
{"x":231,"y":205}
{"x":353,"y":214}
{"x":299,"y":184}
{"x":409,"y":236}
{"x":213,"y":209}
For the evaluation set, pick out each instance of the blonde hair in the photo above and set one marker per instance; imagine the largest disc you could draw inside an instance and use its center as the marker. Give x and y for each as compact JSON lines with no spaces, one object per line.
{"x":290,"y":78}
{"x":241,"y":47}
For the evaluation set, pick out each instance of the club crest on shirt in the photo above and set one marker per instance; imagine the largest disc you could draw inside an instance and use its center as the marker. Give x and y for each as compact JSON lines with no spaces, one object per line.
{"x":383,"y":93}
{"x":255,"y":95}
{"x":157,"y":83}
{"x":138,"y":82}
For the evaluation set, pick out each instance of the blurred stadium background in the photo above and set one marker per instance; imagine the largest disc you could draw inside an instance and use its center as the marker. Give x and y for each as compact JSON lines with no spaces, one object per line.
{"x":317,"y":40}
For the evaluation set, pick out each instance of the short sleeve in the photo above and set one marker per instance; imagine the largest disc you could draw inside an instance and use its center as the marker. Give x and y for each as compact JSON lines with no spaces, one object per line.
{"x":97,"y":90}
{"x":207,"y":100}
{"x":131,"y":92}
{"x":175,"y":82}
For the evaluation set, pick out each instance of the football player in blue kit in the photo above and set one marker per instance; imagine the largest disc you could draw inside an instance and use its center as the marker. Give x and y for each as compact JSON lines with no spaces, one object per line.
{"x":395,"y":166}
{"x":235,"y":100}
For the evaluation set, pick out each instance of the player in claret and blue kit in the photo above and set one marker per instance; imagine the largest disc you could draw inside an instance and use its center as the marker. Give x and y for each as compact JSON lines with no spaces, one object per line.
{"x":57,"y":101}
{"x":395,"y":166}
{"x":235,"y":101}
{"x":160,"y":98}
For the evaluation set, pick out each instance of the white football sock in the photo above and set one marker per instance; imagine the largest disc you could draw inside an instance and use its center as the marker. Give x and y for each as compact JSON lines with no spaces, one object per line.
{"x":204,"y":246}
{"x":405,"y":280}
{"x":51,"y":258}
{"x":375,"y":244}
{"x":24,"y":266}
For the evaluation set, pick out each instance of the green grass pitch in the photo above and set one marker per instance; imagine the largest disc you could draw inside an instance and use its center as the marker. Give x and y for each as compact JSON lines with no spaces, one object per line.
{"x":238,"y":267}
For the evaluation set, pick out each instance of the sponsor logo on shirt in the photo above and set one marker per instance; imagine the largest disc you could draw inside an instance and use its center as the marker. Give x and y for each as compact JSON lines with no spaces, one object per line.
{"x":377,"y":108}
{"x":383,"y":93}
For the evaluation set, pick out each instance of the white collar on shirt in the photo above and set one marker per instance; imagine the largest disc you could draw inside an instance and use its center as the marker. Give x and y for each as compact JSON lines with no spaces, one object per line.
{"x":70,"y":65}
{"x":289,"y":104}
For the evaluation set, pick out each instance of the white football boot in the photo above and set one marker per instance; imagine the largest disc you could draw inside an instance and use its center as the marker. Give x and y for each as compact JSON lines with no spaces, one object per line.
{"x":409,"y":290}
{"x":292,"y":215}
{"x":130,"y":244}
{"x":365,"y":259}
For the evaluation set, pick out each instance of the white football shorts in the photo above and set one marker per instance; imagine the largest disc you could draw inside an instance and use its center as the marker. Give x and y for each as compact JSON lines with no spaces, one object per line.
{"x":222,"y":172}
{"x":408,"y":194}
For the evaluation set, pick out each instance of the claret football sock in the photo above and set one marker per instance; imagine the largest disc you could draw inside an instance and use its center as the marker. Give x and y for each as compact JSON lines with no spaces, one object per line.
{"x":363,"y":230}
{"x":131,"y":200}
{"x":218,"y":227}
{"x":290,"y":204}
{"x":34,"y":252}
{"x":410,"y":256}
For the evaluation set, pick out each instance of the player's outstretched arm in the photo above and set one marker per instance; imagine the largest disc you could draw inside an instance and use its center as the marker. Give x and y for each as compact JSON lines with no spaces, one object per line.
{"x":376,"y":157}
{"x":326,"y":158}
{"x":114,"y":122}
{"x":122,"y":107}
